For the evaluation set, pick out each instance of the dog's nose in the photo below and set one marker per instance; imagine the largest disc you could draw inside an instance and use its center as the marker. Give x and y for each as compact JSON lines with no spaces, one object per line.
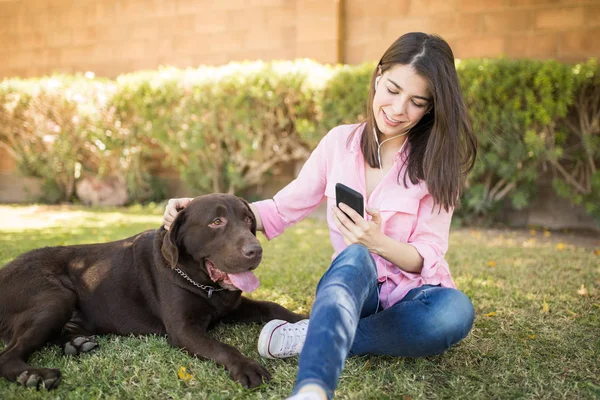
{"x":252,"y":251}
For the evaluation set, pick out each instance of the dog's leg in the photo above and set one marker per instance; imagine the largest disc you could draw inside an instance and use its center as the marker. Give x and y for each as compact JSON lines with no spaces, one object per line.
{"x":32,"y":330}
{"x":75,"y":338}
{"x":193,"y":338}
{"x":261,"y":311}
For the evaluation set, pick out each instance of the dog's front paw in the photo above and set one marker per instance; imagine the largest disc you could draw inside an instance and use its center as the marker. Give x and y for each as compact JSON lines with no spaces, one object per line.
{"x":80,"y":344}
{"x":40,"y":378}
{"x":249,"y":373}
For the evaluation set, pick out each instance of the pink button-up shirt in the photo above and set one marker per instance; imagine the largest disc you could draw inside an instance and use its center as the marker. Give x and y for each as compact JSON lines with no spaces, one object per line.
{"x":407,"y":213}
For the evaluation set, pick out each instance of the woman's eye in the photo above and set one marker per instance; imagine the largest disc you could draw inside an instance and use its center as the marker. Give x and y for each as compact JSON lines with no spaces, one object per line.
{"x":391,"y":91}
{"x":217,"y":221}
{"x":419,"y":105}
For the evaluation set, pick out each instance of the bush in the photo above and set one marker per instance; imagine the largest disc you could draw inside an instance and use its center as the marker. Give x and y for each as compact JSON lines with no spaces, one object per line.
{"x":222,"y":128}
{"x":226,"y":128}
{"x":576,"y":142}
{"x":46,"y":126}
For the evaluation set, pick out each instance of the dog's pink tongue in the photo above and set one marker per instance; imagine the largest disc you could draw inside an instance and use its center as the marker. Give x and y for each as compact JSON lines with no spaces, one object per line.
{"x":245,"y":281}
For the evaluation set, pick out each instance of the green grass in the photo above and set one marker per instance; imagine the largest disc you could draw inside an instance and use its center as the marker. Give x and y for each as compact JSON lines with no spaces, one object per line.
{"x":536,"y":334}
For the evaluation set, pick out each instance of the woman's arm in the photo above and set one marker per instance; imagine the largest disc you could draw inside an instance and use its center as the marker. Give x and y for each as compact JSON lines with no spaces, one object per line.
{"x":369,"y":234}
{"x":405,"y":256}
{"x":299,"y":198}
{"x":426,"y":245}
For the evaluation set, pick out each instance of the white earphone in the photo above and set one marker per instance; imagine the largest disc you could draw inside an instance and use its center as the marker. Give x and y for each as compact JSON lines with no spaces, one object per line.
{"x":377,"y":81}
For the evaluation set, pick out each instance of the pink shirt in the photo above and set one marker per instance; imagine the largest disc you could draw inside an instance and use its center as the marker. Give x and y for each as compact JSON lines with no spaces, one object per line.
{"x":406,"y":212}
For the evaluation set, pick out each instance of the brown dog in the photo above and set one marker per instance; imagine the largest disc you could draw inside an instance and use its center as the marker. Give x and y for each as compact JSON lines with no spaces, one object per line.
{"x":179,"y":283}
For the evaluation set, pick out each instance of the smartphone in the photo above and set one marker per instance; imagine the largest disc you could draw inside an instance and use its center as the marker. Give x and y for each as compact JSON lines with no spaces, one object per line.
{"x":350,"y":197}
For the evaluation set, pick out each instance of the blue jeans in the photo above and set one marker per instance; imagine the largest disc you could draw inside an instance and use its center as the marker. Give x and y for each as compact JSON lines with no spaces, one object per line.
{"x":346,"y":319}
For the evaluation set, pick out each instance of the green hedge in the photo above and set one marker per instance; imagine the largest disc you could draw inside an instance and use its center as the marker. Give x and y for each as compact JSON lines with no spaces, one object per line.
{"x":228,"y":128}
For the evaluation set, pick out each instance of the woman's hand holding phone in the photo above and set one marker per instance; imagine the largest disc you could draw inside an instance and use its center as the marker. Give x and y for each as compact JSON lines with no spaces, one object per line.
{"x":354,"y":228}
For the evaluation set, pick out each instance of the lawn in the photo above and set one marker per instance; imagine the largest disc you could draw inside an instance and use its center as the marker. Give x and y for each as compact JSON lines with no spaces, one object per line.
{"x":536,"y":333}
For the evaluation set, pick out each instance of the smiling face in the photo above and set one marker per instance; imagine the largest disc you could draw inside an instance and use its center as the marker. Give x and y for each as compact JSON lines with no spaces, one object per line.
{"x":402,"y":97}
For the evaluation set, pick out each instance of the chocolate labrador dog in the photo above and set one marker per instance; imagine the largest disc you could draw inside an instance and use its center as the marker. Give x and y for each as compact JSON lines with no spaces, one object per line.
{"x":178,"y":283}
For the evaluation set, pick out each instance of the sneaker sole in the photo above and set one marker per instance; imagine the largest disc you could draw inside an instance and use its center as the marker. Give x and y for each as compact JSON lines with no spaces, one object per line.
{"x":265,"y":337}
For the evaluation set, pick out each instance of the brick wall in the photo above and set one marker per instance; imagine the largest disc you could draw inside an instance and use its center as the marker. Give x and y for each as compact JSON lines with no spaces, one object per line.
{"x":567,"y":30}
{"x":115,"y":36}
{"x":111,"y":37}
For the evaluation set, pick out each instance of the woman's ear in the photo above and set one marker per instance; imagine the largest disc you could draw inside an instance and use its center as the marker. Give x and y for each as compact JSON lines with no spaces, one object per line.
{"x":170,"y":248}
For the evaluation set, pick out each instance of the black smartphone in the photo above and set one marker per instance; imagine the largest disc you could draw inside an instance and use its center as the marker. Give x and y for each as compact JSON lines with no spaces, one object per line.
{"x":350,"y":197}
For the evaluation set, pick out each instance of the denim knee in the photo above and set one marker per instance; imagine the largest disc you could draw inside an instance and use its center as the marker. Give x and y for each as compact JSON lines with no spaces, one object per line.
{"x":358,"y":257}
{"x":457,"y":316}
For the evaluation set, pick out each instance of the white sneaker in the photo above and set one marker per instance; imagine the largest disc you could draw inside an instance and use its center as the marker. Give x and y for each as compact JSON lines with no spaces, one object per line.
{"x":282,"y":339}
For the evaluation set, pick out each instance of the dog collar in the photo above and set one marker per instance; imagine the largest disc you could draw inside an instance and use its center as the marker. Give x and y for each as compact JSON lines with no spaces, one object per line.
{"x":208,"y":289}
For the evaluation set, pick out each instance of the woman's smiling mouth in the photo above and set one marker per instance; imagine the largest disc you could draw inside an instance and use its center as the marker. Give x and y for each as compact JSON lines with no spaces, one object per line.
{"x":389,"y":120}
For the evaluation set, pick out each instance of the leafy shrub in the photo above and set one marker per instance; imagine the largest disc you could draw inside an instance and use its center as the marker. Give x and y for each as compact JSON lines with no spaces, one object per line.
{"x":45,"y":125}
{"x":222,"y":128}
{"x":512,"y":105}
{"x":226,"y":128}
{"x":576,"y":142}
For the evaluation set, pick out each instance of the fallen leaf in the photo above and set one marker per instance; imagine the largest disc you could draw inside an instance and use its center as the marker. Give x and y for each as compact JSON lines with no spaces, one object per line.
{"x":572,"y":313}
{"x":491,"y":263}
{"x":597,"y":252}
{"x":582,"y":291}
{"x":531,"y":336}
{"x":547,"y":233}
{"x":545,"y":307}
{"x":561,"y":246}
{"x":532,"y":232}
{"x":183,"y":374}
{"x":493,"y":313}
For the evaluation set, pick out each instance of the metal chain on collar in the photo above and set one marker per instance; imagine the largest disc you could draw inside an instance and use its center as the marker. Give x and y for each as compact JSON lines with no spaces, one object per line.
{"x":209,"y":289}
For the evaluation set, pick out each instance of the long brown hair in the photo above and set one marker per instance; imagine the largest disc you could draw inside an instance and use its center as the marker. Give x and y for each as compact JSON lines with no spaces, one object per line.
{"x":443,"y":147}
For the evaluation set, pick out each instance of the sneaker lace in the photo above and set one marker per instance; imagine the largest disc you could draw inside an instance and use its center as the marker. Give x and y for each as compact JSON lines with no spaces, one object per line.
{"x":293,"y":338}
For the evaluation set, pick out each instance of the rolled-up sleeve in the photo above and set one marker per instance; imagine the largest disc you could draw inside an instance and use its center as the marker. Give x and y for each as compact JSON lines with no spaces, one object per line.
{"x":430,"y":238}
{"x":299,"y":198}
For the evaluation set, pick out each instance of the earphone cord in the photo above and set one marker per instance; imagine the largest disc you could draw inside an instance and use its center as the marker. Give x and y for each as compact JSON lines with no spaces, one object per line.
{"x":387,"y":288}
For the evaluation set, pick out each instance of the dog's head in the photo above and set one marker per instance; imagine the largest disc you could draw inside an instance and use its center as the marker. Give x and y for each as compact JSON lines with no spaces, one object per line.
{"x":216,"y":233}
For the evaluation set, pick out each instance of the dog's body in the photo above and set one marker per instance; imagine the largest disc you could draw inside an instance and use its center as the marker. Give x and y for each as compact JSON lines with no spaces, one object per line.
{"x":178,"y":282}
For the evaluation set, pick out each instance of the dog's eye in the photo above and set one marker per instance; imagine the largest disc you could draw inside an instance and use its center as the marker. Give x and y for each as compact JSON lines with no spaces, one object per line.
{"x":249,"y":220}
{"x":217,"y":222}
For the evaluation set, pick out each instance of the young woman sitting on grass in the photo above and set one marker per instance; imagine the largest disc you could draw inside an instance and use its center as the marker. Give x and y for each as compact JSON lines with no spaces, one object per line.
{"x":388,"y":290}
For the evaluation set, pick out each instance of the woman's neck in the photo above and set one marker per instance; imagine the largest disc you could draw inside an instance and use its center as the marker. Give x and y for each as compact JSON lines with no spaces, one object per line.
{"x":391,"y":147}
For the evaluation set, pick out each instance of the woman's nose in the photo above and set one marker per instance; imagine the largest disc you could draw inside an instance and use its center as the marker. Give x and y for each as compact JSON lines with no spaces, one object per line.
{"x":399,"y":106}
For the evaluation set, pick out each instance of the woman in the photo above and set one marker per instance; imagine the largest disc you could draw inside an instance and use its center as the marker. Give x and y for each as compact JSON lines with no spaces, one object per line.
{"x":388,"y":290}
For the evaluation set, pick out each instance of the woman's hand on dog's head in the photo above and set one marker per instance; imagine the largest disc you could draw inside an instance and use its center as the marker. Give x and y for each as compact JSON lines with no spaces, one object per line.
{"x":173,"y":207}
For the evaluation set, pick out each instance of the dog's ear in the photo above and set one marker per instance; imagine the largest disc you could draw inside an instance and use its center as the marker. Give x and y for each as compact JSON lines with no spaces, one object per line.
{"x":253,"y":226}
{"x":170,"y":248}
